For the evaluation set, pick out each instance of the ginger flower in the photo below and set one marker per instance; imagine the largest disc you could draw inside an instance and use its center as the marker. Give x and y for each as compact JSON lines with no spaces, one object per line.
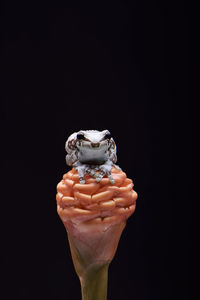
{"x":94,"y":215}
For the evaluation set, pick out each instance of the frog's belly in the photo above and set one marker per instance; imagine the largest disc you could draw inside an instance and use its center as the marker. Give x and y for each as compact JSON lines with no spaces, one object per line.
{"x":93,"y":156}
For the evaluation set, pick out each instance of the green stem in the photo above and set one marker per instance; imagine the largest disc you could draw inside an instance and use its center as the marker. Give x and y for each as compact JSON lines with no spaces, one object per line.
{"x":94,"y":283}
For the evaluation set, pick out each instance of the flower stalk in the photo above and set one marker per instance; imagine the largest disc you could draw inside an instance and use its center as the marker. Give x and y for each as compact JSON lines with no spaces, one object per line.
{"x":94,"y":283}
{"x":93,"y":277}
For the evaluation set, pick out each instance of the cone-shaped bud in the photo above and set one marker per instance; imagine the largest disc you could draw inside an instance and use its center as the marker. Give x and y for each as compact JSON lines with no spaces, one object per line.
{"x":94,"y":215}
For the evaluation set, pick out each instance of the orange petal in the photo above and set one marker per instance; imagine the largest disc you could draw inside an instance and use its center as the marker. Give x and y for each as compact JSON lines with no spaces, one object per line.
{"x":58,"y":197}
{"x":83,"y":198}
{"x":107,"y":204}
{"x":107,"y":195}
{"x":69,"y":182}
{"x":119,"y":178}
{"x":63,"y":188}
{"x":68,"y":201}
{"x":89,"y":188}
{"x":68,"y":175}
{"x":127,"y":181}
{"x":104,"y":181}
{"x":126,"y":188}
{"x":75,"y":177}
{"x":93,"y":206}
{"x":77,"y":214}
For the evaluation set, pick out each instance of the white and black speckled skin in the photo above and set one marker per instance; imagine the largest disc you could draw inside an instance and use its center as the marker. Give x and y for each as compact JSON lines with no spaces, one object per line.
{"x":91,"y":152}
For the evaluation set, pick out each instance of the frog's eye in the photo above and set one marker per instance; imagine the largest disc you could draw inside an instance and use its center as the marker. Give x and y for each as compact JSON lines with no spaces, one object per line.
{"x":80,"y":136}
{"x":108,"y":136}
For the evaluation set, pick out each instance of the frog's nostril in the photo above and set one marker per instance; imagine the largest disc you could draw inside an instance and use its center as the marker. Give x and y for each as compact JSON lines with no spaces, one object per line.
{"x":95,"y":145}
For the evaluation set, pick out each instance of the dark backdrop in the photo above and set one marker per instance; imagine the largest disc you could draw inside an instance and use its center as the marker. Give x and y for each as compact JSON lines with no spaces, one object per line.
{"x":123,"y":67}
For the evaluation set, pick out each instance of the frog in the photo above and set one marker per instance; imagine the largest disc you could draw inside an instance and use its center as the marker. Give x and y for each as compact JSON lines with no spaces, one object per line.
{"x":92,"y":152}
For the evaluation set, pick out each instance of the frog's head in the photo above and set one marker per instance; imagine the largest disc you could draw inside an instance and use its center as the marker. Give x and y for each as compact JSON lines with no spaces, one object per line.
{"x":93,"y":146}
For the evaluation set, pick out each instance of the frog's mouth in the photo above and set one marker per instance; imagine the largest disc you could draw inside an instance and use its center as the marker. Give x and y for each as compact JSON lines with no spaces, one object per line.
{"x":95,"y":145}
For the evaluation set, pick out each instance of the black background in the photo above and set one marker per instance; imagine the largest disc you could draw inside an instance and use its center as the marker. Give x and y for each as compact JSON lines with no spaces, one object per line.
{"x":123,"y":67}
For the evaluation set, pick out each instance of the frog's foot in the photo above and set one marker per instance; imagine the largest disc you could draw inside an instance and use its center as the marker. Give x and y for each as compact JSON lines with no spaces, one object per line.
{"x":105,"y":170}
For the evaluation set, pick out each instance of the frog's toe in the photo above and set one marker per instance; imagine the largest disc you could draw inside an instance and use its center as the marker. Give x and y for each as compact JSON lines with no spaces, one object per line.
{"x":111,"y":179}
{"x":98,"y":179}
{"x":81,"y":180}
{"x":99,"y":176}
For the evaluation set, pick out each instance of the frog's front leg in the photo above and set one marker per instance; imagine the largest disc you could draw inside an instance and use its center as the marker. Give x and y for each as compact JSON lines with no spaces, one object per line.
{"x":91,"y":170}
{"x":105,"y":169}
{"x":81,"y":169}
